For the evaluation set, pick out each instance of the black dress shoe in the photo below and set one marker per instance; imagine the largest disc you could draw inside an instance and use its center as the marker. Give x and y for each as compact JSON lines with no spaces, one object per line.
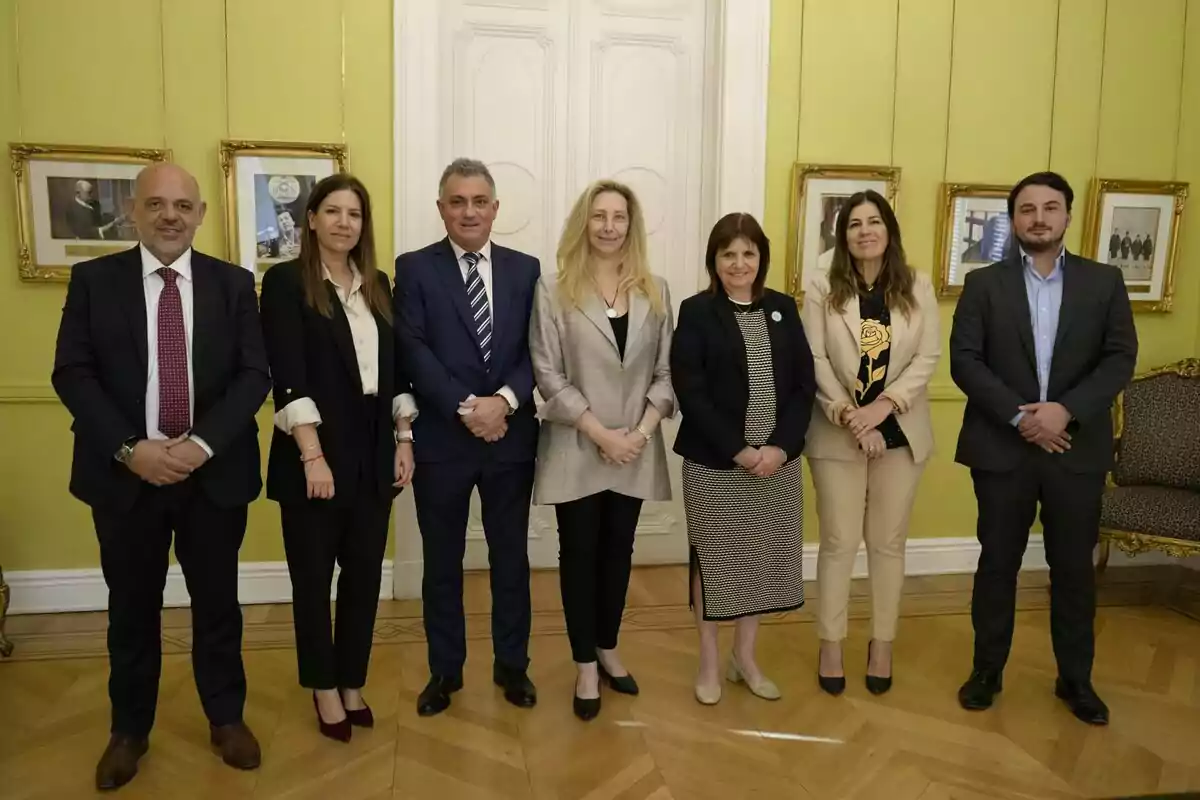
{"x":1082,"y":700}
{"x":119,"y":764}
{"x":518,"y":689}
{"x":624,"y":684}
{"x":980,"y":689}
{"x":875,"y":684}
{"x":435,"y":697}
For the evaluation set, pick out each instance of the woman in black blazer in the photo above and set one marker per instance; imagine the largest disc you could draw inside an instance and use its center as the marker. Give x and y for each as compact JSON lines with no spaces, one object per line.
{"x":743,"y":375}
{"x":336,"y":464}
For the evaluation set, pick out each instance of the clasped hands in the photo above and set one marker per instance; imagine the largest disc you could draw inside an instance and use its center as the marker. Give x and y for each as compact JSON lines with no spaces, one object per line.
{"x":762,"y":462}
{"x":485,"y":417}
{"x":864,"y":422}
{"x":620,"y":446}
{"x":162,"y":462}
{"x":1045,"y":424}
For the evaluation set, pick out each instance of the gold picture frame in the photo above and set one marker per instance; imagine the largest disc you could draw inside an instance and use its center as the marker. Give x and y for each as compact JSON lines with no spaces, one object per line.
{"x":72,"y":204}
{"x":816,"y":189}
{"x":1153,"y":209}
{"x":278,"y":174}
{"x":967,"y":211}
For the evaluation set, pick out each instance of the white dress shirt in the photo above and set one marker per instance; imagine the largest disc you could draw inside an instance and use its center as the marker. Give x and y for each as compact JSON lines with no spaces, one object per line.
{"x":484,"y":268}
{"x":152,"y":285}
{"x":365,"y":333}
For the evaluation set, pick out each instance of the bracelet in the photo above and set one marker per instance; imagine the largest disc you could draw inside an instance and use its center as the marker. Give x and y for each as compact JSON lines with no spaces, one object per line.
{"x":310,"y":459}
{"x":643,"y":432}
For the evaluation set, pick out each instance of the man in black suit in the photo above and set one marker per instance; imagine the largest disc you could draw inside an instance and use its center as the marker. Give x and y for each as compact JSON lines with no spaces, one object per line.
{"x":462,"y":320}
{"x":1042,"y":344}
{"x":160,"y":361}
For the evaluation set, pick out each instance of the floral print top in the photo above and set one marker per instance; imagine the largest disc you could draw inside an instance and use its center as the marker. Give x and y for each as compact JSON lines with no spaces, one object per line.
{"x":875,"y":342}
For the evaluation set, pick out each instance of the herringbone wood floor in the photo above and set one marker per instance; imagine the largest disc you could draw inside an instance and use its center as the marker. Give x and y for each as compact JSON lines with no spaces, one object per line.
{"x":914,"y":743}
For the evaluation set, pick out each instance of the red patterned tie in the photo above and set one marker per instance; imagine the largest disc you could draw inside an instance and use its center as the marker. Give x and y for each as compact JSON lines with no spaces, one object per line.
{"x":173,"y":416}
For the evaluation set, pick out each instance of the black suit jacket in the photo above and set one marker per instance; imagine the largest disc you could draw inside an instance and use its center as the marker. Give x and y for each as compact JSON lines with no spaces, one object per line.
{"x":993,"y":361}
{"x":313,"y":356}
{"x":711,"y":378}
{"x":101,"y":369}
{"x":436,"y":334}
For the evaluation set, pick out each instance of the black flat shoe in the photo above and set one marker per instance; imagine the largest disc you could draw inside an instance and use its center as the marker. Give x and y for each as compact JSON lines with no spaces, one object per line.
{"x":1083,"y":701}
{"x":980,"y":690}
{"x":586,"y":709}
{"x":833,"y":686}
{"x":624,"y":684}
{"x":875,"y":684}
{"x":338,"y":731}
{"x":518,"y":689}
{"x":435,"y":697}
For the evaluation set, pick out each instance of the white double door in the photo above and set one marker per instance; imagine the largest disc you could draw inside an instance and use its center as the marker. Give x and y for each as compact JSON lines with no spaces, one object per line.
{"x":551,"y":95}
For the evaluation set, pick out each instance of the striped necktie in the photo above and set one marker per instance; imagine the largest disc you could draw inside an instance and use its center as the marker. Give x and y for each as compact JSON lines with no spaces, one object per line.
{"x":477,"y":295}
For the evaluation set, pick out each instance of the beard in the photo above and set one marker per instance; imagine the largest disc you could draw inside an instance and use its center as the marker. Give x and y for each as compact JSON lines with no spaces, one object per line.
{"x":1041,"y":246}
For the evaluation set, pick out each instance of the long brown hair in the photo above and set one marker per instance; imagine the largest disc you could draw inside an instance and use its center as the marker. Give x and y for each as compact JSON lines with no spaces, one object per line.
{"x":316,"y":294}
{"x":730,"y":227}
{"x":896,"y":277}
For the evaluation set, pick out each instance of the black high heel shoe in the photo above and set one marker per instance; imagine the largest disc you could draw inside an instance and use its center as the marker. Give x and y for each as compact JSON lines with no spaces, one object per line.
{"x":624,"y":684}
{"x":585,"y":708}
{"x":875,"y":684}
{"x":338,"y":731}
{"x":833,"y":686}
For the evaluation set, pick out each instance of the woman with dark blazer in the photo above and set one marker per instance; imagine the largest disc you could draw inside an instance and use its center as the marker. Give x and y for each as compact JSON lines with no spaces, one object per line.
{"x":743,"y":375}
{"x":336,"y":463}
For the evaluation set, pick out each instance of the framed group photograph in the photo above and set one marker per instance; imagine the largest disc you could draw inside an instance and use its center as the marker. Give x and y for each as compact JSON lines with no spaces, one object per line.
{"x":818,"y":194}
{"x":267,"y":185}
{"x":73,"y":204}
{"x":973,"y":230}
{"x":1134,"y":225}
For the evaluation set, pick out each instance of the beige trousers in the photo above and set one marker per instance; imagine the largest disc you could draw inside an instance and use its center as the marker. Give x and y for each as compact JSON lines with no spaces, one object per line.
{"x":856,"y":500}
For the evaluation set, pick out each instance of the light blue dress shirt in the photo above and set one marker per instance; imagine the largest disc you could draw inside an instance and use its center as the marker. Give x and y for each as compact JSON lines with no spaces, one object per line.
{"x":1045,"y":301}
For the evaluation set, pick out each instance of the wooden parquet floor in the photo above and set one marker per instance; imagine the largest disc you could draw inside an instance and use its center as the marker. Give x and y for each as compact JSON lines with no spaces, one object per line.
{"x":913,"y":744}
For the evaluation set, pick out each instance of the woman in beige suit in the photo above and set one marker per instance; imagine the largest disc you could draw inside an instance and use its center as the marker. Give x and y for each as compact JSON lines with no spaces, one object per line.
{"x":600,"y":339}
{"x":873,"y":326}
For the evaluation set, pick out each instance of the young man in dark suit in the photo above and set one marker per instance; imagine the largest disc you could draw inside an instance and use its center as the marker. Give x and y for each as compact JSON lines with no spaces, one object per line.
{"x":160,"y":361}
{"x":462,"y":320}
{"x":1042,"y":344}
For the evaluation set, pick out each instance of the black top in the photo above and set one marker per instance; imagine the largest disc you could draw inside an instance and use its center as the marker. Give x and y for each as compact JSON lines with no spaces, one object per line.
{"x":620,"y":326}
{"x":712,"y":382}
{"x":875,"y":342}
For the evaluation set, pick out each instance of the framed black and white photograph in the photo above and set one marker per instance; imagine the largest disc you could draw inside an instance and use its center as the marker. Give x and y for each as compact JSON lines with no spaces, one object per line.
{"x":267,"y":185}
{"x":818,"y":194}
{"x":1134,"y":226}
{"x":973,"y":230}
{"x":74,"y":203}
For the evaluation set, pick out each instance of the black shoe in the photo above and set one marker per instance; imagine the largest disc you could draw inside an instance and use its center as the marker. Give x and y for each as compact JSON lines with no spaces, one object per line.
{"x":624,"y":684}
{"x":435,"y":697}
{"x":980,"y":689}
{"x":586,"y":709}
{"x":1082,"y":700}
{"x":518,"y":689}
{"x":833,"y":686}
{"x":875,"y":684}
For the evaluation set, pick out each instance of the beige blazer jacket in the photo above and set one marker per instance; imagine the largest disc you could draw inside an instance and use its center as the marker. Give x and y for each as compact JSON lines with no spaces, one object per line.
{"x":577,"y":368}
{"x":916,"y":347}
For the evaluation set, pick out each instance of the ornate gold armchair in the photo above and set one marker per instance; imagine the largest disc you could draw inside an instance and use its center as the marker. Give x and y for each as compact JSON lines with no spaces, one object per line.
{"x":1152,"y":501}
{"x":6,"y":647}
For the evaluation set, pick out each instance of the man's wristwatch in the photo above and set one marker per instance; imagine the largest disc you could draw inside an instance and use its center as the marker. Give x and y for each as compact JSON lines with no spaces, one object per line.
{"x":125,"y":454}
{"x":403,"y":436}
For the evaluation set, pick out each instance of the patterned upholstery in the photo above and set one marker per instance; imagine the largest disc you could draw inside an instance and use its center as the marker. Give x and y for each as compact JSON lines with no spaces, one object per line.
{"x":1152,"y":510}
{"x":1159,"y":442}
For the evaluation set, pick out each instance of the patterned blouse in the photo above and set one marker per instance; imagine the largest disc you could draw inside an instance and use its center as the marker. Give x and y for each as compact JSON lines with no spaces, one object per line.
{"x":875,"y":342}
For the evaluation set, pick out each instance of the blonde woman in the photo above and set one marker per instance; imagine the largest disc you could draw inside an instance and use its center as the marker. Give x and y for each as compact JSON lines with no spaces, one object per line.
{"x":873,"y":326}
{"x":600,"y":339}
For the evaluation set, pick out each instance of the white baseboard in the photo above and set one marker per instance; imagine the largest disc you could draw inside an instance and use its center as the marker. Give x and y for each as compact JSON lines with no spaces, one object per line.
{"x":50,"y":591}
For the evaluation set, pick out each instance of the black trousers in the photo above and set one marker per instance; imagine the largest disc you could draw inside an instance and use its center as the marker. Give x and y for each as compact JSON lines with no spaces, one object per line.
{"x":442,"y":493}
{"x":134,"y":550}
{"x":1070,"y":515}
{"x":595,"y":551}
{"x":316,"y":535}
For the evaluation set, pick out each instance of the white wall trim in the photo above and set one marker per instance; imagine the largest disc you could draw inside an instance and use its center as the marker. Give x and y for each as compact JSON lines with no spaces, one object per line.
{"x":744,"y":54}
{"x":57,"y":590}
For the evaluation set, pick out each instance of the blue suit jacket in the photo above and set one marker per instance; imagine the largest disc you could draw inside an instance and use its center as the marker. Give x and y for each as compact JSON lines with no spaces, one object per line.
{"x":436,"y":338}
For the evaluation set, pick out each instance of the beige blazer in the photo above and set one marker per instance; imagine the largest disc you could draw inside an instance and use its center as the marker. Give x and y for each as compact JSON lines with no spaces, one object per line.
{"x":577,"y":368}
{"x":915,"y":348}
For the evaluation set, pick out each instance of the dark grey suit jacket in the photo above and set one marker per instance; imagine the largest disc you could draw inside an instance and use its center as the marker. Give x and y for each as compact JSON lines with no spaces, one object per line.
{"x":993,"y":361}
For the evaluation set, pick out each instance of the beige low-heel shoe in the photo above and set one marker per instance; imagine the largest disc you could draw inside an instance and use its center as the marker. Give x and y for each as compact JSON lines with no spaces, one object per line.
{"x":764,"y":688}
{"x":708,"y":695}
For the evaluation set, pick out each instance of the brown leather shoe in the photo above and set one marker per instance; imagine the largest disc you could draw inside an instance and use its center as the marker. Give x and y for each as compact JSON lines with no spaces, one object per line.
{"x":239,"y":749}
{"x":119,"y":763}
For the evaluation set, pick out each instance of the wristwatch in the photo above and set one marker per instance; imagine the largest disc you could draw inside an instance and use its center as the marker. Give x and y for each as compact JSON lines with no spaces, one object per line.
{"x":403,"y":436}
{"x":125,"y":454}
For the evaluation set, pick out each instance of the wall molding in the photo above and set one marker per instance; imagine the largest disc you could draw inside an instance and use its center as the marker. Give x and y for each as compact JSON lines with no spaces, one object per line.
{"x":59,"y":590}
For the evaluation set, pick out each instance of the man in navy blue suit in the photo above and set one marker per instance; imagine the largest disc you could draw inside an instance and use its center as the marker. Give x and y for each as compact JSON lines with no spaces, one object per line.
{"x":462,"y":310}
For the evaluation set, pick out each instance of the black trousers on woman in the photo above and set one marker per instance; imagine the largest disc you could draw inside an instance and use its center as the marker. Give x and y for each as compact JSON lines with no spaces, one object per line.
{"x":595,"y":551}
{"x":351,"y":530}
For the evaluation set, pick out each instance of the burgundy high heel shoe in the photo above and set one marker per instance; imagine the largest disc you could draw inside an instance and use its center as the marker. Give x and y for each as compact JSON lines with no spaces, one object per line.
{"x":338,"y":731}
{"x":360,"y":717}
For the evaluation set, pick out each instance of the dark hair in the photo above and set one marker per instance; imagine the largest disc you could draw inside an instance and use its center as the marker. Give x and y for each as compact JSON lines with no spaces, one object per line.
{"x":896,"y":277}
{"x":1052,"y":179}
{"x":362,"y":254}
{"x":727,"y":229}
